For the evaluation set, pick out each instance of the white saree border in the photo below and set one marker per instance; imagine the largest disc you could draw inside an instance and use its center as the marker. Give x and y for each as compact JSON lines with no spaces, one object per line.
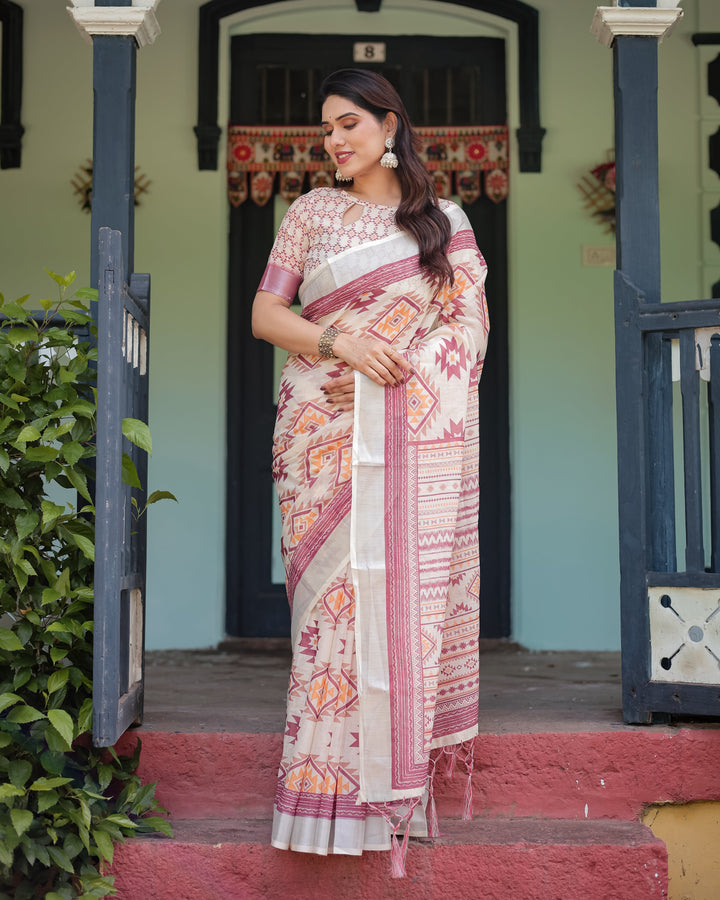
{"x":368,"y":566}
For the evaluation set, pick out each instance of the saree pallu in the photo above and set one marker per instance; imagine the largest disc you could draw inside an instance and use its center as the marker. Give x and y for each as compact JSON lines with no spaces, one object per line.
{"x":380,"y":544}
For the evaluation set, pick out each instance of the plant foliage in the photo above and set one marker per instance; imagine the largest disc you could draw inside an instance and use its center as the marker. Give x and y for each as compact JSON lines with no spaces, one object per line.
{"x":63,"y":803}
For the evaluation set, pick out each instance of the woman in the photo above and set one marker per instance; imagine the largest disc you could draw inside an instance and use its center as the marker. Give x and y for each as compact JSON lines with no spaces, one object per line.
{"x":376,"y":467}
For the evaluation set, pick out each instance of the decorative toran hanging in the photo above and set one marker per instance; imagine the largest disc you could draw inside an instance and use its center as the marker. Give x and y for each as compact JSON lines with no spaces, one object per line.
{"x":457,"y":159}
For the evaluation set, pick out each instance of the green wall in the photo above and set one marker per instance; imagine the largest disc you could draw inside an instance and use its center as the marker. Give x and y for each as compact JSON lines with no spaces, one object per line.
{"x":564,"y":545}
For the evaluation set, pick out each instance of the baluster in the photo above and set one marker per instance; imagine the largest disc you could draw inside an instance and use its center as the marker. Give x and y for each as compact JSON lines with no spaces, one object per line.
{"x":714,"y":422}
{"x":690,"y":387}
{"x":661,"y":487}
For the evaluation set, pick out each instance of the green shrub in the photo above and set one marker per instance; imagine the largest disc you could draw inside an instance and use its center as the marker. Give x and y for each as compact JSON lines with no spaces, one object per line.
{"x":62,"y":802}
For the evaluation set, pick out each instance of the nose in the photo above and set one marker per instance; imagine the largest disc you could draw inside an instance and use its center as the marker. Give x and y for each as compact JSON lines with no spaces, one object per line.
{"x":335,"y":138}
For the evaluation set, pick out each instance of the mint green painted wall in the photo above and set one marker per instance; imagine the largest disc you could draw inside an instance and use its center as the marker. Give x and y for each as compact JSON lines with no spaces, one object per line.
{"x":565,"y":571}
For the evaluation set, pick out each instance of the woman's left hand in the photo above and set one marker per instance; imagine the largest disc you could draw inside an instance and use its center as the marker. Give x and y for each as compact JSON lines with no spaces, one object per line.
{"x":340,"y":391}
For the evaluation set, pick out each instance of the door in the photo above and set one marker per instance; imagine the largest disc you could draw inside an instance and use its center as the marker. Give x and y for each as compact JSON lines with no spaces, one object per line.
{"x":274,"y":81}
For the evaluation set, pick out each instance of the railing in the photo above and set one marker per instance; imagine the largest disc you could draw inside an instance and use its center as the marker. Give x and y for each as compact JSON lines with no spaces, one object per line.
{"x":120,"y":534}
{"x":669,"y":470}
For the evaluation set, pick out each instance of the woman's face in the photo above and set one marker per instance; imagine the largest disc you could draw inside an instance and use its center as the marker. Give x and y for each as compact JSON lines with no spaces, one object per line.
{"x":354,"y":138}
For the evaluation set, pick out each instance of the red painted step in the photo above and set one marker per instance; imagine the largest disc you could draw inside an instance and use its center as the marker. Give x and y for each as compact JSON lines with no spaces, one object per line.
{"x":590,"y":775}
{"x":523,"y":859}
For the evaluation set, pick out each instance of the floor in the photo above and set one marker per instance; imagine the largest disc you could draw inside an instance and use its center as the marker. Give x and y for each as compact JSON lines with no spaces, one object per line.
{"x":522,"y":691}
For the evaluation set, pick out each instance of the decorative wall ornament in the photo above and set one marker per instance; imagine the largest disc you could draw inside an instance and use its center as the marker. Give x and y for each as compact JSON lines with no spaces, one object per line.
{"x":529,"y":135}
{"x":82,"y":185}
{"x":463,"y":156}
{"x":598,"y":188}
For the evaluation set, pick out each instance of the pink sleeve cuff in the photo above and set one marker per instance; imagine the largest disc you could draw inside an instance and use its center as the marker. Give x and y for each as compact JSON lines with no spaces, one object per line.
{"x":280,"y":282}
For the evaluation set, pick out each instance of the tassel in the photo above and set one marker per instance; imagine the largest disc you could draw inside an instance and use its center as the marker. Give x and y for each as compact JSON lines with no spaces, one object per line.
{"x":399,"y":852}
{"x":433,"y":824}
{"x":467,"y":810}
{"x":450,"y":770}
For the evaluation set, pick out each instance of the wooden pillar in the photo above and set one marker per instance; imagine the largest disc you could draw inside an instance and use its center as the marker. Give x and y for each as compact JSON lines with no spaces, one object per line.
{"x":113,"y":197}
{"x":116,"y":29}
{"x":642,"y":367}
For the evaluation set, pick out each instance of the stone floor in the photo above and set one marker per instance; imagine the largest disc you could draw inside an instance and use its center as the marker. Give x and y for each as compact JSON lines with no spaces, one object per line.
{"x":522,"y":691}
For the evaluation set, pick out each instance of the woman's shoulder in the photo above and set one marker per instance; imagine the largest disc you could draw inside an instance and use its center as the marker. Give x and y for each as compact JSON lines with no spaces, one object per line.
{"x":458,"y":219}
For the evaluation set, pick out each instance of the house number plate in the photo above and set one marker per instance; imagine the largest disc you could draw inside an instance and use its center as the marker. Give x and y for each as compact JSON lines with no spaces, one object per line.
{"x":368,"y":52}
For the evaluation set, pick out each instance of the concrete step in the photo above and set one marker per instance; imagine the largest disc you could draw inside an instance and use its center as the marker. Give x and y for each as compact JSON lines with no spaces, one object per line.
{"x":493,"y":859}
{"x":588,"y":775}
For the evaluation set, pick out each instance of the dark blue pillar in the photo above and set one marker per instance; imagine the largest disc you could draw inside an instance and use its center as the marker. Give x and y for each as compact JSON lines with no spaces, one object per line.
{"x":114,"y":85}
{"x":636,"y":163}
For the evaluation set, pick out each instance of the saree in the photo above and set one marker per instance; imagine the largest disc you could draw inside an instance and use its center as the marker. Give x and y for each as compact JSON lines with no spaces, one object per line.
{"x":379,"y":513}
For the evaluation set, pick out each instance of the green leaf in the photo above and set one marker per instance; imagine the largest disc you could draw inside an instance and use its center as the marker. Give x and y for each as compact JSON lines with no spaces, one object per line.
{"x":72,"y":452}
{"x":46,"y":304}
{"x":22,"y":819}
{"x":61,"y":280}
{"x":86,"y":293}
{"x":72,"y":845}
{"x":26,"y":567}
{"x":60,"y":858}
{"x":85,"y":544}
{"x":50,"y":596}
{"x":51,"y":512}
{"x":55,"y":741}
{"x":19,"y":770}
{"x":41,"y":453}
{"x":11,"y":499}
{"x":47,"y":799}
{"x":78,"y":481}
{"x":20,"y":335}
{"x":138,"y":433}
{"x":160,"y":495}
{"x":63,"y":724}
{"x":156,"y":823}
{"x":23,"y":714}
{"x":9,"y":790}
{"x":130,"y":476}
{"x":56,"y":681}
{"x":6,"y":857}
{"x":48,"y":784}
{"x":104,"y":844}
{"x":25,"y":523}
{"x":28,"y":433}
{"x":9,"y":640}
{"x":8,"y":700}
{"x":123,"y":821}
{"x":85,"y":716}
{"x":53,"y":763}
{"x":5,"y":739}
{"x":4,"y":460}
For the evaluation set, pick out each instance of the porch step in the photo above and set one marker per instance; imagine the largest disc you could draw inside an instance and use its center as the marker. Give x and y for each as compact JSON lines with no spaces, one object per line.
{"x":588,"y":775}
{"x":496,"y":859}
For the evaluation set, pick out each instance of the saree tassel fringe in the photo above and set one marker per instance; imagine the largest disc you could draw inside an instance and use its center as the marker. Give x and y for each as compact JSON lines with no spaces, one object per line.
{"x":433,"y":824}
{"x":398,"y":850}
{"x":398,"y":854}
{"x":467,"y":811}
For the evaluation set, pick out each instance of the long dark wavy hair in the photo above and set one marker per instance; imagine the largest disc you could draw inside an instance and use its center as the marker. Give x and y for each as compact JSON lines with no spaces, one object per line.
{"x":418,"y":214}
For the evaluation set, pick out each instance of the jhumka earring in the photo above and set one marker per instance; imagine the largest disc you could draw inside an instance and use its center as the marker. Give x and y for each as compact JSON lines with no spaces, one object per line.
{"x":388,"y":159}
{"x":340,"y":177}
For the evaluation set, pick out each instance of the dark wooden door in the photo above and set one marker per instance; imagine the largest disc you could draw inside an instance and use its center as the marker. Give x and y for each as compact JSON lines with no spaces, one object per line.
{"x":274,"y":81}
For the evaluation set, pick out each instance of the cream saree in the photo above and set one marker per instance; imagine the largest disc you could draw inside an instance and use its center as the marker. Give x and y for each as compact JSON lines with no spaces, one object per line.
{"x":379,"y":509}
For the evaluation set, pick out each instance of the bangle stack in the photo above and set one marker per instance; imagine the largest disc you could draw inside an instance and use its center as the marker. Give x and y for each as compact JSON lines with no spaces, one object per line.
{"x":327,"y":339}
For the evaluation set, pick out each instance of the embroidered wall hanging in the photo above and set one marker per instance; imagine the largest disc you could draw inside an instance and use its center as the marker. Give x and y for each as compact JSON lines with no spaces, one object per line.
{"x":457,"y":158}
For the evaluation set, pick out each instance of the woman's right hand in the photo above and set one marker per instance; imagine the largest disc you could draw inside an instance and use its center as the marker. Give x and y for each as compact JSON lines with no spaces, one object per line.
{"x":379,"y":361}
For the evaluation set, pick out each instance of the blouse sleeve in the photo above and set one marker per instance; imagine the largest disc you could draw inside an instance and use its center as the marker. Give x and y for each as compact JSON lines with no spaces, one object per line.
{"x":286,"y":264}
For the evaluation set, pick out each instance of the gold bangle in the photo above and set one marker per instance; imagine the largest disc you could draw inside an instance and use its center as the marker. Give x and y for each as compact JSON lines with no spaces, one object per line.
{"x":327,"y":339}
